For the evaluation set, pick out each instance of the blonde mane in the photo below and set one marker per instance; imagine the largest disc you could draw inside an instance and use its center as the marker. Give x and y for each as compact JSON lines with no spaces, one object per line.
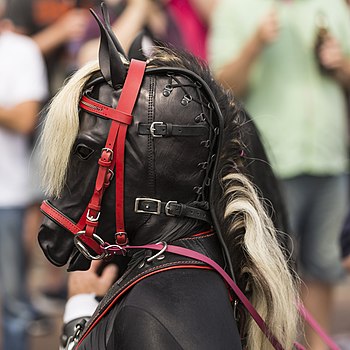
{"x":273,"y":289}
{"x":60,"y":130}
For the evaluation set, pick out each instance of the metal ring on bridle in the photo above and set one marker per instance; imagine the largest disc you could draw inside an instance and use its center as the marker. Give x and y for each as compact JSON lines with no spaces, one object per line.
{"x":115,"y":249}
{"x":165,"y":246}
{"x":84,"y":250}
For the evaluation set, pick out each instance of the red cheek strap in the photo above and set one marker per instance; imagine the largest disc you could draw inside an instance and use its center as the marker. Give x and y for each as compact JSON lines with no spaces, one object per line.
{"x":112,"y":156}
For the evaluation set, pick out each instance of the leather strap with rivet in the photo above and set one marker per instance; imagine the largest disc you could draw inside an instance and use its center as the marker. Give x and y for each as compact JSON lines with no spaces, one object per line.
{"x":161,"y":129}
{"x":170,"y":208}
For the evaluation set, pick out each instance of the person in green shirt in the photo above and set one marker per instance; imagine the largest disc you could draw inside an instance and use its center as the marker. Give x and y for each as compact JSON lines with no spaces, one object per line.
{"x":288,"y":61}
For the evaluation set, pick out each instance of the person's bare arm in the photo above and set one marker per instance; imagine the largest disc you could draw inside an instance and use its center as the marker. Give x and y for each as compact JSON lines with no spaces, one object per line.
{"x":332,"y":57}
{"x":69,"y":27}
{"x":131,"y":21}
{"x":20,"y":118}
{"x":85,"y":282}
{"x":126,"y":27}
{"x":204,"y":8}
{"x":235,"y":74}
{"x":83,"y":287}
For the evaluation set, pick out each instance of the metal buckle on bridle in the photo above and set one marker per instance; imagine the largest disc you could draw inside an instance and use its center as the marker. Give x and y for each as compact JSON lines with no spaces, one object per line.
{"x":92,"y":218}
{"x":159,"y":255}
{"x":121,"y":238}
{"x":167,"y":208}
{"x":152,"y":128}
{"x":110,"y":171}
{"x":107,"y":150}
{"x":84,"y":250}
{"x":156,"y":201}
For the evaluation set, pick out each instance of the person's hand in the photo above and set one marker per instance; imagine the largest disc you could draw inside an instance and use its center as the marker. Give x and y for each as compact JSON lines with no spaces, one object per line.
{"x":330,"y":54}
{"x":72,"y":24}
{"x":268,"y":28}
{"x":81,"y":282}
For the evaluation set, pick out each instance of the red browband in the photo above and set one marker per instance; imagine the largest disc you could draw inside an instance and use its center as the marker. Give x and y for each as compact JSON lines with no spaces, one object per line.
{"x":112,"y":156}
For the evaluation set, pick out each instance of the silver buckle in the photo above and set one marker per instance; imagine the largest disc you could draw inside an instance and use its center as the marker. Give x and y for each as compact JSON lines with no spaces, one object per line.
{"x":157,"y":201}
{"x":91,"y":218}
{"x":107,"y":150}
{"x":152,"y":128}
{"x":112,"y":174}
{"x":167,"y":208}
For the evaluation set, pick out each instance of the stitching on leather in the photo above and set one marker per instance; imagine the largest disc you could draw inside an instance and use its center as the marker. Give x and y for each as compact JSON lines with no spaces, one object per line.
{"x":164,"y":265}
{"x":61,"y":219}
{"x":196,"y":238}
{"x":105,"y":110}
{"x":144,"y":273}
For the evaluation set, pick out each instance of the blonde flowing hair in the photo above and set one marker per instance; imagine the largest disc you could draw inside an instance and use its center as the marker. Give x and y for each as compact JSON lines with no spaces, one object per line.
{"x":262,"y":269}
{"x":60,"y":130}
{"x":270,"y":284}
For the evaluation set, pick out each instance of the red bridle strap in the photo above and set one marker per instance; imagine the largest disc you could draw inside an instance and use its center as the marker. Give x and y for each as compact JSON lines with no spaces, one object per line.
{"x":95,"y":107}
{"x":60,"y":218}
{"x":125,"y":105}
{"x":112,"y":155}
{"x":54,"y":214}
{"x":113,"y":152}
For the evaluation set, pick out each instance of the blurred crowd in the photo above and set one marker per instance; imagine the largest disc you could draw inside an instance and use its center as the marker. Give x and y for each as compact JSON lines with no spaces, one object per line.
{"x":287,"y":60}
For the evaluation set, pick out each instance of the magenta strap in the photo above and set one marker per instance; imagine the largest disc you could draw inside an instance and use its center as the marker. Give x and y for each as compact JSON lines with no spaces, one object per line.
{"x":195,"y":255}
{"x":260,"y":322}
{"x":317,"y":328}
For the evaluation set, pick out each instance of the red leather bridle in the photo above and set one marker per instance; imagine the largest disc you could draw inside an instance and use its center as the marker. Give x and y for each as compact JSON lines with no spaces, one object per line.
{"x":112,"y":157}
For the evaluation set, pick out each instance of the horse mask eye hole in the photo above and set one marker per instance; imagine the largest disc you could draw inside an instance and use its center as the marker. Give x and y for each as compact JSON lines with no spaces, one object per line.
{"x":83,"y":151}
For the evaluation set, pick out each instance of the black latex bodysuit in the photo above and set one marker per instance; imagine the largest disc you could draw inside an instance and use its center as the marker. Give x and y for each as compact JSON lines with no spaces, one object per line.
{"x":197,"y":299}
{"x":181,"y":307}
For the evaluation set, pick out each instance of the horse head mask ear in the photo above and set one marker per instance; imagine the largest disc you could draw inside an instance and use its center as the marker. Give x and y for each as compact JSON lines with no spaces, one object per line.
{"x":141,"y":47}
{"x":110,"y":52}
{"x":116,"y":42}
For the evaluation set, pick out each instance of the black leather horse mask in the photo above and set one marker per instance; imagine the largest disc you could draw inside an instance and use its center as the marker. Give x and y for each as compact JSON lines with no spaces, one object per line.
{"x":146,"y":157}
{"x":170,"y":158}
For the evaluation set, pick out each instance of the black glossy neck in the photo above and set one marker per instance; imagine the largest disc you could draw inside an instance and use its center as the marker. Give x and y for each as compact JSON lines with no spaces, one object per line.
{"x":159,"y":228}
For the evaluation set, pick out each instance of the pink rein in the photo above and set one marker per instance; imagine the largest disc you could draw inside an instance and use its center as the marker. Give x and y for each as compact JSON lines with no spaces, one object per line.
{"x":260,"y":322}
